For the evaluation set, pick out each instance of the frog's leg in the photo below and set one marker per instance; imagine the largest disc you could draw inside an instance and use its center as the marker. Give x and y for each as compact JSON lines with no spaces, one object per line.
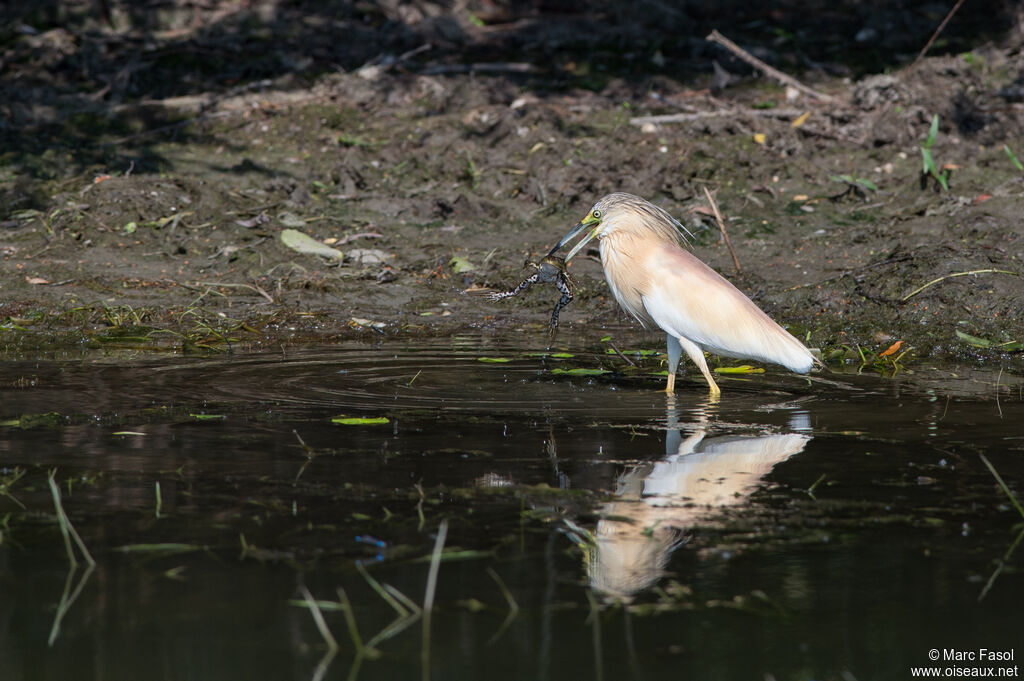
{"x":526,"y":283}
{"x":566,"y":298}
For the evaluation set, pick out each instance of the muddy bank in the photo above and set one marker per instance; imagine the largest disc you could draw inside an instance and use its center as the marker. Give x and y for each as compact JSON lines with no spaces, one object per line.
{"x":159,"y":221}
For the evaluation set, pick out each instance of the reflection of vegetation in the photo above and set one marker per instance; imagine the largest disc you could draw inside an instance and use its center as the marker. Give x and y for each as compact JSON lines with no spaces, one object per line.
{"x":408,"y":613}
{"x":1001,"y":563}
{"x":67,"y":530}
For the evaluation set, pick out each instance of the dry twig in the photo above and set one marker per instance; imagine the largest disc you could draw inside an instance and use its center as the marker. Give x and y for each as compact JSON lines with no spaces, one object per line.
{"x":725,"y":234}
{"x":935,"y":35}
{"x":769,"y":71}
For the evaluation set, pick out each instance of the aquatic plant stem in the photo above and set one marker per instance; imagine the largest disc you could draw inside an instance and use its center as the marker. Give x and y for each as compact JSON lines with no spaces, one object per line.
{"x":513,"y":607}
{"x":428,"y":596}
{"x":318,"y":619}
{"x":999,"y":479}
{"x":68,"y":599}
{"x":350,"y":622}
{"x":67,"y":530}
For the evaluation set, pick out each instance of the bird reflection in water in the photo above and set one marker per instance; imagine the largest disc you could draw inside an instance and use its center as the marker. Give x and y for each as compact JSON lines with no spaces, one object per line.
{"x":656,"y":503}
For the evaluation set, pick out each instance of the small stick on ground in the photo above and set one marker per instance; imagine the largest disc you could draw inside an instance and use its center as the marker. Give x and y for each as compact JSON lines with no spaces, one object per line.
{"x":935,"y":35}
{"x":956,"y":274}
{"x":717,"y":37}
{"x":251,"y":287}
{"x":725,"y":234}
{"x":717,"y":113}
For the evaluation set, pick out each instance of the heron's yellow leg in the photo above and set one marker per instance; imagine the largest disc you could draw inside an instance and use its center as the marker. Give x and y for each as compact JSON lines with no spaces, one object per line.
{"x":675,"y":351}
{"x":697,"y":355}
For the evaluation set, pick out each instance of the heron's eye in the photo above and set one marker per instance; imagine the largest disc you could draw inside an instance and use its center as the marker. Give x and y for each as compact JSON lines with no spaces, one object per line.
{"x":596,"y":214}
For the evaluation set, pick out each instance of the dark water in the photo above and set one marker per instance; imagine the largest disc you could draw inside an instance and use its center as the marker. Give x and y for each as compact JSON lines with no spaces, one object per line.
{"x":831,"y":529}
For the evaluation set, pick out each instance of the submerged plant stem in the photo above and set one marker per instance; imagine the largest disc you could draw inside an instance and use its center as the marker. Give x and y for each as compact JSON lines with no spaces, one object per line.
{"x":67,"y":530}
{"x":999,"y":479}
{"x":318,"y":619}
{"x":428,"y":596}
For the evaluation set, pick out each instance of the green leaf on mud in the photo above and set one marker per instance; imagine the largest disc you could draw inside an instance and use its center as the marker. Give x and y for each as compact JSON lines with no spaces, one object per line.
{"x":307,"y":245}
{"x":460,"y":265}
{"x":974,"y":340}
{"x":580,"y":372}
{"x":1006,"y":346}
{"x":360,"y":421}
{"x":493,"y":360}
{"x":744,"y":369}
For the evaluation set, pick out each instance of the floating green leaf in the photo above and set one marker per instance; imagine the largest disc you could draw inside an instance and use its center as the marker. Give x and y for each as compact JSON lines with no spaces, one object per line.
{"x":580,"y":372}
{"x":48,"y":420}
{"x":158,"y":548}
{"x":744,"y":369}
{"x":562,"y":355}
{"x":493,"y":360}
{"x":208,"y":417}
{"x":641,"y":353}
{"x":360,"y":421}
{"x":457,"y":554}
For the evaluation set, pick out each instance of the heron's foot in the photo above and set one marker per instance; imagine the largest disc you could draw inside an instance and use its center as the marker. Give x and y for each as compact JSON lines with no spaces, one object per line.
{"x":670,"y":387}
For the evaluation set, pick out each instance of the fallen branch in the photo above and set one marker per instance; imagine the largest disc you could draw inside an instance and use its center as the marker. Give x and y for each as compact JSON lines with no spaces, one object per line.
{"x":725,"y":234}
{"x":956,"y":274}
{"x":769,"y":71}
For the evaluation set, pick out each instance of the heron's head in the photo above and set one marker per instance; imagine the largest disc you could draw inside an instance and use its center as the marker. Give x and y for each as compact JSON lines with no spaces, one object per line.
{"x":621,"y":212}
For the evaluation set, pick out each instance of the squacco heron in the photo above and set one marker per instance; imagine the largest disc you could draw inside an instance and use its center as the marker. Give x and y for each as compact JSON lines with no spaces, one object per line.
{"x":660,"y":283}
